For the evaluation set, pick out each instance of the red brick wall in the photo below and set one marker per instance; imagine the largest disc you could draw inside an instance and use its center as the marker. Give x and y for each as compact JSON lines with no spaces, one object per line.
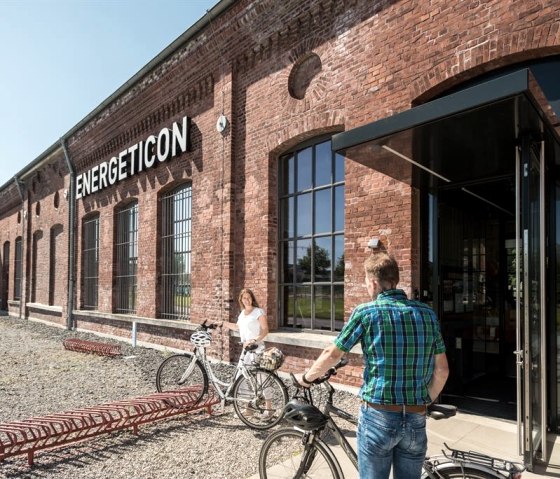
{"x":376,"y":59}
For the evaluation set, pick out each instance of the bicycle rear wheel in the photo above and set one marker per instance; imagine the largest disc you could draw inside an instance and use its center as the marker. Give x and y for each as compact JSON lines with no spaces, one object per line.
{"x":284,"y":455}
{"x":453,"y":471}
{"x":260,"y":408}
{"x":182,"y":373}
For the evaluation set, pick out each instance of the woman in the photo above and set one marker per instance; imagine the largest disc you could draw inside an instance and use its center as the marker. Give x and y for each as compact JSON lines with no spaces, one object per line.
{"x":251,"y":323}
{"x":253,"y":328}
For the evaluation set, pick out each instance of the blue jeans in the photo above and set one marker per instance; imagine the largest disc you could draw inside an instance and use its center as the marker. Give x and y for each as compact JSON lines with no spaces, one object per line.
{"x":391,"y":438}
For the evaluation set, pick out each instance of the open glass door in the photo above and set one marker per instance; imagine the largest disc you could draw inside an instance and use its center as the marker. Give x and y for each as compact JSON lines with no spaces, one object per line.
{"x":532,"y":302}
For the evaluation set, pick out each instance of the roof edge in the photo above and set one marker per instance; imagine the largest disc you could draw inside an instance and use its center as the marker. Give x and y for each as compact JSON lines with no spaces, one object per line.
{"x":203,"y":22}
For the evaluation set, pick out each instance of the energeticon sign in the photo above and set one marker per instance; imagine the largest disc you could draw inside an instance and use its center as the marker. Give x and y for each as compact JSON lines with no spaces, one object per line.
{"x":142,"y":156}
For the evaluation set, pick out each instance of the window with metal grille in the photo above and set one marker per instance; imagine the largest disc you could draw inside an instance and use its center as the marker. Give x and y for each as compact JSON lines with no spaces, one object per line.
{"x":175,"y":274}
{"x":54,"y":278}
{"x":311,"y":238}
{"x":126,"y":257}
{"x":18,"y":268}
{"x":36,"y":272}
{"x":90,"y":262}
{"x":5,"y":276}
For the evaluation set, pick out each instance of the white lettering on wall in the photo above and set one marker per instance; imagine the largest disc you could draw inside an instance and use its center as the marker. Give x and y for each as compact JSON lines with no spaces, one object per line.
{"x":139,"y":157}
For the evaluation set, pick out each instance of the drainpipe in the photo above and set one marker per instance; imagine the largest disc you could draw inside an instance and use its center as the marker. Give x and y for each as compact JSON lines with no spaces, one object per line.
{"x":71,"y":241}
{"x":23,"y":220}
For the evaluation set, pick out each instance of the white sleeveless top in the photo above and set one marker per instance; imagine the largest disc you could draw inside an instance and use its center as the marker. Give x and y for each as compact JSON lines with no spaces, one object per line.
{"x":249,"y":326}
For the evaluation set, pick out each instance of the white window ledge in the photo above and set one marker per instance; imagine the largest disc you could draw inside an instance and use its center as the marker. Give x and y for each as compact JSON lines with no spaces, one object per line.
{"x":291,"y":338}
{"x":303,"y":339}
{"x":44,"y":307}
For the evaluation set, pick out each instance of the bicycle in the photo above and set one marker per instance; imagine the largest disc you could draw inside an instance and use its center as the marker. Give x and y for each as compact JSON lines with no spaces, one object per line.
{"x":301,"y":452}
{"x":258,"y":395}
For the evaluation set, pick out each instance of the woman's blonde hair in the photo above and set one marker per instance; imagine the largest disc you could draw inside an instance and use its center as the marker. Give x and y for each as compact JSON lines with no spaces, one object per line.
{"x":250,"y":293}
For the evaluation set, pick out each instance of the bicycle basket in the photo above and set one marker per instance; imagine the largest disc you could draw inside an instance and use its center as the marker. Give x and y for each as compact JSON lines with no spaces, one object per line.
{"x":201,"y":338}
{"x":271,"y":359}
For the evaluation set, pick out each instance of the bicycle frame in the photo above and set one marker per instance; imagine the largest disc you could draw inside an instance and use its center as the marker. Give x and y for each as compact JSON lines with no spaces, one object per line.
{"x":432,"y":466}
{"x":338,"y":434}
{"x":224,"y":388}
{"x":469,"y":460}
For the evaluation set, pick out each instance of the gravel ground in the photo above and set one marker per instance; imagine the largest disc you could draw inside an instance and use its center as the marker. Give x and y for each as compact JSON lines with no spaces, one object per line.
{"x":38,"y":377}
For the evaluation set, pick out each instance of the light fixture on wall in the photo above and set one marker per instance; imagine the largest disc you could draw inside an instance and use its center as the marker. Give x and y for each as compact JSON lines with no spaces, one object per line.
{"x":65,"y":194}
{"x":373,"y":243}
{"x":222,"y":123}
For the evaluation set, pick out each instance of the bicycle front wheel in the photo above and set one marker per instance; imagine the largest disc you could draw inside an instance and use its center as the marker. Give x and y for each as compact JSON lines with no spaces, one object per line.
{"x":182,"y":373}
{"x":286,"y":454}
{"x":453,"y":471}
{"x":259,"y":401}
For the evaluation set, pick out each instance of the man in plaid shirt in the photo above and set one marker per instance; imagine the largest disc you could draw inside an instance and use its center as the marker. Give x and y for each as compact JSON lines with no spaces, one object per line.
{"x":405,"y":369}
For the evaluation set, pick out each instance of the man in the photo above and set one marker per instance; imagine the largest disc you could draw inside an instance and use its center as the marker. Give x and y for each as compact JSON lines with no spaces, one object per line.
{"x":405,"y":368}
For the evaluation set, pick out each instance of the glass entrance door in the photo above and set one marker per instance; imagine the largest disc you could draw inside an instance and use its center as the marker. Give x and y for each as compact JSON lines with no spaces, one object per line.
{"x":531,"y":274}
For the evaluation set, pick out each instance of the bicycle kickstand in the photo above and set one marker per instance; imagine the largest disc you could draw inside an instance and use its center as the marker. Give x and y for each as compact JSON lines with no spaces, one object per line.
{"x":219,"y":410}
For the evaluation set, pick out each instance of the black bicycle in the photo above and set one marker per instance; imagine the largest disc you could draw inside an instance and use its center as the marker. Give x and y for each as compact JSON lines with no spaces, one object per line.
{"x":301,"y":452}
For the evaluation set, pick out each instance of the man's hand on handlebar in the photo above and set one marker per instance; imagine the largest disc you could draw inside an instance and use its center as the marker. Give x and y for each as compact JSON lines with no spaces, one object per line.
{"x":249,"y":344}
{"x":304,"y":382}
{"x":299,"y":379}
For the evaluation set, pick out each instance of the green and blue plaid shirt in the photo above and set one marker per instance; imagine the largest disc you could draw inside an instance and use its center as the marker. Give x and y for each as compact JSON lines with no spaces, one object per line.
{"x":399,"y":339}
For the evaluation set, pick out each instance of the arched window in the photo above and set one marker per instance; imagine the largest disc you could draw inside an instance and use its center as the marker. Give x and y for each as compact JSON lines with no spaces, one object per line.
{"x":4,"y":281}
{"x":90,"y":262}
{"x":311,"y":239}
{"x":37,"y":264}
{"x":126,"y":256}
{"x":55,"y":274}
{"x":176,"y":232}
{"x":18,"y":268}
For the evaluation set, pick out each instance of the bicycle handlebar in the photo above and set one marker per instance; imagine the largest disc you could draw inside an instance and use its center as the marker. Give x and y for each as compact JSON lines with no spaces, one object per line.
{"x":331,"y":372}
{"x":205,"y":326}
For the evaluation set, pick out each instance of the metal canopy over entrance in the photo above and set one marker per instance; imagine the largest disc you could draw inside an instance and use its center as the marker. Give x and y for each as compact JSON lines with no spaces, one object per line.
{"x":485,"y":145}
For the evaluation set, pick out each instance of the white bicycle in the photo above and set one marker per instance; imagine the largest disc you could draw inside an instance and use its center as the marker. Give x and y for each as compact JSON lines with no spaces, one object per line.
{"x":258,"y":395}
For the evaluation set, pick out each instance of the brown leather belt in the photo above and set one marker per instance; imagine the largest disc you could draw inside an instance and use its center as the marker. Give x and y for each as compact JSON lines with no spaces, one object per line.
{"x":404,"y":408}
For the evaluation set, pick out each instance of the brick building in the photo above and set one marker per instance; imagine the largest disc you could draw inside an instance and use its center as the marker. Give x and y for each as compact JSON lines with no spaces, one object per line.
{"x":270,"y":143}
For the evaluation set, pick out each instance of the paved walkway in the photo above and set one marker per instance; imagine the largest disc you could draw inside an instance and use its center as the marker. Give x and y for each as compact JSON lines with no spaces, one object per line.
{"x":493,"y":437}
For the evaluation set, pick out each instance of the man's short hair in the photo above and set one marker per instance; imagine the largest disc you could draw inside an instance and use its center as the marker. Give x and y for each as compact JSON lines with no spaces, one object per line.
{"x":382,"y":267}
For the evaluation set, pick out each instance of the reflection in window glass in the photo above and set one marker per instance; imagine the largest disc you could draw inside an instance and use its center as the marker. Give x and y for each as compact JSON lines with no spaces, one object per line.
{"x":323,"y":164}
{"x":304,"y":164}
{"x":338,"y":273}
{"x":323,"y":305}
{"x":303,"y":261}
{"x":322,"y":259}
{"x":288,"y":261}
{"x":287,"y":209}
{"x":339,"y":208}
{"x":304,"y":215}
{"x":287,"y":176}
{"x":338,"y":300}
{"x":311,"y":256}
{"x":288,"y":305}
{"x":323,"y":211}
{"x":338,"y":168}
{"x":303,"y":307}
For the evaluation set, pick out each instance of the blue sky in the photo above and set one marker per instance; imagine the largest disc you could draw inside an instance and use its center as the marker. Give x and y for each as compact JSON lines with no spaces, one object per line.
{"x":61,"y":58}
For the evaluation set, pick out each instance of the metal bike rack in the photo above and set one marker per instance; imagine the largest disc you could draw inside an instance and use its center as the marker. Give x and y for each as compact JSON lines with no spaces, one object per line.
{"x":56,"y":430}
{"x":83,"y":346}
